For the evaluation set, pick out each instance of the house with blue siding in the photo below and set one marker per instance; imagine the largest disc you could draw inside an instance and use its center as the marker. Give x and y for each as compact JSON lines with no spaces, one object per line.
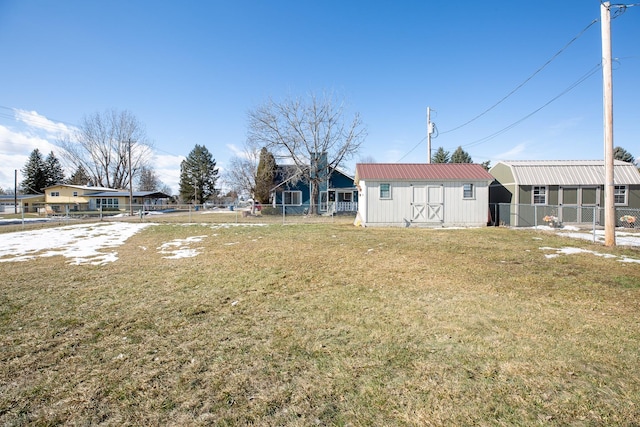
{"x":337,"y":193}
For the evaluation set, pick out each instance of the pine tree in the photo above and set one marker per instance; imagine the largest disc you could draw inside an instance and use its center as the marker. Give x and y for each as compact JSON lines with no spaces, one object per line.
{"x":34,"y":173}
{"x":53,"y":170}
{"x":620,"y":153}
{"x":441,"y":156}
{"x":265,"y":176}
{"x":79,"y":177}
{"x":198,"y":175}
{"x":460,"y":156}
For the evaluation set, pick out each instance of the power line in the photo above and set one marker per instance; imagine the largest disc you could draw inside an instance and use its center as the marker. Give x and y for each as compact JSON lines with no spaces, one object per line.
{"x":526,"y":80}
{"x":517,"y":122}
{"x":411,"y":151}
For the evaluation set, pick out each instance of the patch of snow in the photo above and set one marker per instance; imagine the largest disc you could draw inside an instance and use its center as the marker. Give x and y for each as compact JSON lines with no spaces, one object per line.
{"x":81,"y":243}
{"x":571,"y":251}
{"x":179,"y":248}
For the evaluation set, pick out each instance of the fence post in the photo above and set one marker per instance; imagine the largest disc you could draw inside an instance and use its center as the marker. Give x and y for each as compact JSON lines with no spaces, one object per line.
{"x":595,"y":211}
{"x":535,"y":216}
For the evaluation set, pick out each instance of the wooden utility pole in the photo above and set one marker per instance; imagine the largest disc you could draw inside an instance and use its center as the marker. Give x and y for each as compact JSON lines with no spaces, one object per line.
{"x":130,"y":183}
{"x":429,"y":127}
{"x":15,"y":191}
{"x":607,"y":80}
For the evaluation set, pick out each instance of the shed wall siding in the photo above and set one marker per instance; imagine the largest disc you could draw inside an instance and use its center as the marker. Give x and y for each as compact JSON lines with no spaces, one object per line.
{"x":634,"y":196}
{"x":398,"y":209}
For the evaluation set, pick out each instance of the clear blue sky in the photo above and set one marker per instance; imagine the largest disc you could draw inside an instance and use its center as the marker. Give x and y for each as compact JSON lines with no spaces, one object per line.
{"x":191,"y":70}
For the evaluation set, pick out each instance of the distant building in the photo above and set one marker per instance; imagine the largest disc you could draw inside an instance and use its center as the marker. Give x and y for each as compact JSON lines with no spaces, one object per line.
{"x":568,"y":189}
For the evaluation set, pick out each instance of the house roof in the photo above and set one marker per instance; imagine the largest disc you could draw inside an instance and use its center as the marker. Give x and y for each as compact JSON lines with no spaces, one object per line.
{"x":421,"y":172}
{"x":11,"y":197}
{"x":82,"y":187}
{"x":156,"y":194}
{"x":570,"y":172}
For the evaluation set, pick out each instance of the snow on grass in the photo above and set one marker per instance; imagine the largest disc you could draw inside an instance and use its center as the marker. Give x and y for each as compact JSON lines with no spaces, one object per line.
{"x":92,"y":243}
{"x":180,"y":248}
{"x":572,"y":251}
{"x":81,"y":243}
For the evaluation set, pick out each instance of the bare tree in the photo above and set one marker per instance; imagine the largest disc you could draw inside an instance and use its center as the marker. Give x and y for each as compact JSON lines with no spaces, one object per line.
{"x":148,"y":179}
{"x":304,"y":130}
{"x":109,"y":146}
{"x":241,"y":173}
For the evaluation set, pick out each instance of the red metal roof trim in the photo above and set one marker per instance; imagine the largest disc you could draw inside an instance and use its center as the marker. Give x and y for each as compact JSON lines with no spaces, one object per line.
{"x":422,"y":171}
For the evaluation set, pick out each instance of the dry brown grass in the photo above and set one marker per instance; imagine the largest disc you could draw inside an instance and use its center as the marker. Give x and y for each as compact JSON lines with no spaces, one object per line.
{"x":324,"y":324}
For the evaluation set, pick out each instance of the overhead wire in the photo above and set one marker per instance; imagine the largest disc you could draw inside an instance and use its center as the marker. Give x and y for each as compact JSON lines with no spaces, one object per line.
{"x":584,"y":77}
{"x":526,"y":80}
{"x":588,"y":74}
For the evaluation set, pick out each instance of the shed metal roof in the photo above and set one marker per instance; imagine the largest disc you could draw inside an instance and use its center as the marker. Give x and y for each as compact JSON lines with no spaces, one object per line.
{"x":421,"y":171}
{"x":571,"y":172}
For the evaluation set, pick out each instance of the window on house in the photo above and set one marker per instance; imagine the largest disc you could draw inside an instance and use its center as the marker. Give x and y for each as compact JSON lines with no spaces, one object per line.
{"x":292,"y":197}
{"x":107,"y":203}
{"x":75,"y":194}
{"x":385,"y":191}
{"x":539,"y":195}
{"x":55,"y":194}
{"x":344,"y":197}
{"x":620,"y":195}
{"x":467,"y":191}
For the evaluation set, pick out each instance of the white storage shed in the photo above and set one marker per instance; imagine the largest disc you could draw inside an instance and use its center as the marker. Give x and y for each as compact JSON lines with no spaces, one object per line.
{"x":421,"y":194}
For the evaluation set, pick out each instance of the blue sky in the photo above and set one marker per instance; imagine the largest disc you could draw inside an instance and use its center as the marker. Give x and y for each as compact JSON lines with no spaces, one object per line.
{"x":191,"y":70}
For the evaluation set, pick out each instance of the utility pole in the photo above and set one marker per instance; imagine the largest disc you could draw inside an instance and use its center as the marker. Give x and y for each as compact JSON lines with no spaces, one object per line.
{"x":607,"y":80}
{"x":15,"y":191}
{"x":429,"y":132}
{"x":130,"y":183}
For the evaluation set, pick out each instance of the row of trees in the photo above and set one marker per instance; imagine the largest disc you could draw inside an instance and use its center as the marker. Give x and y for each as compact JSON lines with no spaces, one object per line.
{"x":111,"y":148}
{"x":458,"y":156}
{"x":106,"y":150}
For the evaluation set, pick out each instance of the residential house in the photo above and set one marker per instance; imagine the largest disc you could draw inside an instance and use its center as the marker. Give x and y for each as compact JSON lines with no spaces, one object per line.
{"x":10,"y":203}
{"x":337,"y":193}
{"x":62,"y":198}
{"x":523,"y":193}
{"x":420,"y":194}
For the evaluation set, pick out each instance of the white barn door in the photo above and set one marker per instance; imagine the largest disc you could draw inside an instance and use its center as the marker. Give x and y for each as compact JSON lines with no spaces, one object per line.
{"x":419,"y":204}
{"x":435,"y":203}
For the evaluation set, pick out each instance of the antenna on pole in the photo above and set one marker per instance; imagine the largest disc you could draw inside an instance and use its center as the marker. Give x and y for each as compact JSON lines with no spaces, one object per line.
{"x":607,"y":80}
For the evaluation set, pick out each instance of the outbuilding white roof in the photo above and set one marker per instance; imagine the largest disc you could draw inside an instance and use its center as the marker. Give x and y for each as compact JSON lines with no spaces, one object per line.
{"x":570,"y":172}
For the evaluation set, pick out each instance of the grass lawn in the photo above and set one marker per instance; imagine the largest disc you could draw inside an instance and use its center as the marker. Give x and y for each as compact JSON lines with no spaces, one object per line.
{"x":324,"y":324}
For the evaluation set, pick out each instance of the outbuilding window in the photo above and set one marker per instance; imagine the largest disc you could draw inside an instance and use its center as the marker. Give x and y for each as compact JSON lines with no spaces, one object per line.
{"x":55,"y":194}
{"x":467,"y":191}
{"x":620,"y":195}
{"x":539,"y":195}
{"x":385,"y":191}
{"x":292,"y":198}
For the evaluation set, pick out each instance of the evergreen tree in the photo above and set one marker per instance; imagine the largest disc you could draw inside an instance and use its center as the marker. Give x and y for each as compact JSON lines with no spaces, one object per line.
{"x":34,"y":173}
{"x":79,"y":177}
{"x":53,"y":170}
{"x":486,"y":165}
{"x":265,"y":176}
{"x":441,"y":156}
{"x":620,"y":153}
{"x":198,"y":175}
{"x":460,"y":156}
